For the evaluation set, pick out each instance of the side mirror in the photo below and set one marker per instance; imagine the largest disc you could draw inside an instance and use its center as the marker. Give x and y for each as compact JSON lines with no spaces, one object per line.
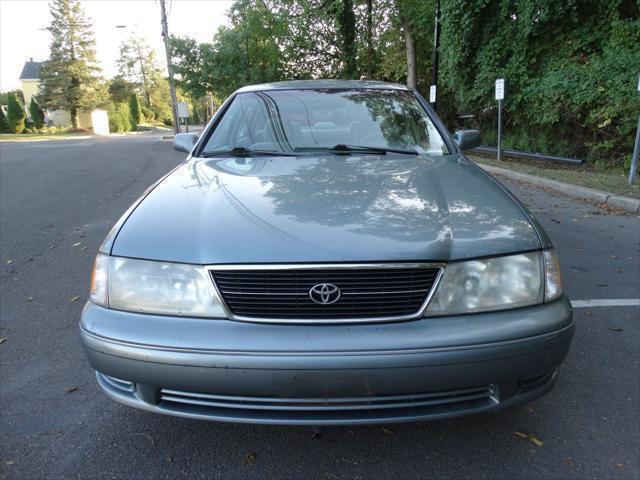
{"x":467,"y":139}
{"x":184,"y":142}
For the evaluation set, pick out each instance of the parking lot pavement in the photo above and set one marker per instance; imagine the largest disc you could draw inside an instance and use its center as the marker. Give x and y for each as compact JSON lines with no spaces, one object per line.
{"x":57,"y":202}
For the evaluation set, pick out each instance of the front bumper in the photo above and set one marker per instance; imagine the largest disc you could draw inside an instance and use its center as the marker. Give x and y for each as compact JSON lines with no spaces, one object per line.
{"x":327,"y":374}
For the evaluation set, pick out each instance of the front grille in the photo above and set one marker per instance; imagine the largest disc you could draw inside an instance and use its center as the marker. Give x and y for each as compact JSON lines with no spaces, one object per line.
{"x":461,"y":398}
{"x":381,"y":292}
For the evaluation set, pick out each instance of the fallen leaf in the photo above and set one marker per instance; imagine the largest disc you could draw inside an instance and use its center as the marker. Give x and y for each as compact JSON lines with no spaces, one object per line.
{"x":386,"y":430}
{"x":536,"y":440}
{"x":29,"y":299}
{"x":568,"y":462}
{"x":3,"y":339}
{"x":70,"y":389}
{"x":83,"y":248}
{"x":529,"y":436}
{"x":9,"y":462}
{"x":75,"y":298}
{"x":76,"y":244}
{"x":250,"y":458}
{"x":619,"y":465}
{"x":52,"y":247}
{"x":9,"y":262}
{"x":168,"y":459}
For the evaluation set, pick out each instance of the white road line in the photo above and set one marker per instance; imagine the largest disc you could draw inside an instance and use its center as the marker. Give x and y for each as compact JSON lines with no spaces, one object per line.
{"x":606,"y":302}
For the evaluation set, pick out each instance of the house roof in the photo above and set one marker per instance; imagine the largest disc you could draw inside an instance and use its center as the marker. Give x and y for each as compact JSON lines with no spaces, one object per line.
{"x":31,"y":70}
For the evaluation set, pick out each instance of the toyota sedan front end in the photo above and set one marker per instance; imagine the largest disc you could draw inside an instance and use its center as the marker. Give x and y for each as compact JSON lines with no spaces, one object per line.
{"x":326,"y":255}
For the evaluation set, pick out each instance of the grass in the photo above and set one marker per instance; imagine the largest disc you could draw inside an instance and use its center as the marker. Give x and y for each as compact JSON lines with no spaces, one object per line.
{"x":586,"y":176}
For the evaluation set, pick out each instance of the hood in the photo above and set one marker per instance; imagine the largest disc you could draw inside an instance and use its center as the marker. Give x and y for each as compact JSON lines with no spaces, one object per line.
{"x":325,"y":209}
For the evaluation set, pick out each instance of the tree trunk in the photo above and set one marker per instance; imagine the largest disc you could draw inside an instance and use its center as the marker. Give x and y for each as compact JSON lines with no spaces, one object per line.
{"x":347,"y":25}
{"x":411,"y":53}
{"x":75,"y":122}
{"x":370,"y":60}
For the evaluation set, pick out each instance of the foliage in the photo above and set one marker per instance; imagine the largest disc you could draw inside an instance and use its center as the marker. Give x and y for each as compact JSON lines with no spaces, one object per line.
{"x":37,"y":115}
{"x":120,"y":90}
{"x":16,"y":115}
{"x":135,"y":110}
{"x":119,"y":117}
{"x":4,"y":125}
{"x":571,"y":67}
{"x":4,"y":96}
{"x":148,"y":114}
{"x":138,"y":68}
{"x":70,"y":77}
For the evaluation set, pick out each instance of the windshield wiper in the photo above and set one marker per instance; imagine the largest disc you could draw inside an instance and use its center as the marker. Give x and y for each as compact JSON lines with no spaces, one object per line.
{"x":247,"y":152}
{"x":345,"y":149}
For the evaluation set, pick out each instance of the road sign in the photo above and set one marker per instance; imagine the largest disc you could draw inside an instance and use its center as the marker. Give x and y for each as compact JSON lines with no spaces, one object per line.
{"x":183,"y":110}
{"x":432,"y":94}
{"x":500,"y":89}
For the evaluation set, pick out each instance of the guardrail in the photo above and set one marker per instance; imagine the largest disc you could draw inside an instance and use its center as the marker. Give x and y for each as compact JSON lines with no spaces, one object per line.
{"x":535,"y":156}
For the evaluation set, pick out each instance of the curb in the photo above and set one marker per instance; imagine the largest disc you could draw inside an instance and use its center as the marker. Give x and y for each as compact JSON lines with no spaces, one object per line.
{"x":628,"y":204}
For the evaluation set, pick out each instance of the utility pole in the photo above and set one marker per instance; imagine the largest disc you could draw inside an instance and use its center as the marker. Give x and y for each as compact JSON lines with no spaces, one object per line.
{"x":436,"y":48}
{"x":172,"y":87}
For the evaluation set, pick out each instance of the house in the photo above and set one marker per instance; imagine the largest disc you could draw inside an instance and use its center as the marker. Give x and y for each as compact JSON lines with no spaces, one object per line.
{"x":30,"y":78}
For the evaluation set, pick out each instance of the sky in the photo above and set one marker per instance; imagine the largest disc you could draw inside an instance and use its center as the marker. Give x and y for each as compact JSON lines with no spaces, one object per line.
{"x":22,"y":23}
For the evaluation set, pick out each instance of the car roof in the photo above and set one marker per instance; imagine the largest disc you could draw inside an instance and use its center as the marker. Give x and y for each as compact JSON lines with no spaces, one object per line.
{"x":323,"y":84}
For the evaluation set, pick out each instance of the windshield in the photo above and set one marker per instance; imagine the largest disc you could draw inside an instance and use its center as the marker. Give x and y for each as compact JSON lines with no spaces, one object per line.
{"x":289,"y":121}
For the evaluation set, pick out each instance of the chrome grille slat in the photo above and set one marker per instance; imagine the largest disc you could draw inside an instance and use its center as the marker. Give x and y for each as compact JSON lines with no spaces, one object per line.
{"x":367,"y":292}
{"x":379,"y":402}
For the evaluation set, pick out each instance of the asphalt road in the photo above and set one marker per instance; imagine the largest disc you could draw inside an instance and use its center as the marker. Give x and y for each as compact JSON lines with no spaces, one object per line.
{"x":57,"y":202}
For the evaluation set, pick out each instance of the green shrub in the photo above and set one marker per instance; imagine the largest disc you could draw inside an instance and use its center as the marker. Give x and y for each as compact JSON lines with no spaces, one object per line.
{"x":16,"y":115}
{"x":135,"y":111}
{"x":4,"y":125}
{"x":37,"y":115}
{"x":119,"y":117}
{"x":148,"y":114}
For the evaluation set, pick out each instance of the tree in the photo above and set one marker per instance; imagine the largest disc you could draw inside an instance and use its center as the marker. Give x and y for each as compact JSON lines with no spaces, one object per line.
{"x":16,"y":115}
{"x":37,"y":115}
{"x":120,"y":90}
{"x":137,"y":66}
{"x":4,"y":125}
{"x":346,"y":25}
{"x":69,"y":79}
{"x":136,"y":111}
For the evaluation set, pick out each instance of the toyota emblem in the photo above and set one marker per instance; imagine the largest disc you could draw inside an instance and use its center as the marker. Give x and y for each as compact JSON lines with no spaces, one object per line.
{"x":324,"y":293}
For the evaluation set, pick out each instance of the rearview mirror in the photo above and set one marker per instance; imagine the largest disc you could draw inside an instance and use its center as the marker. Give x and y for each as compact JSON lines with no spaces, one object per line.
{"x":467,"y":139}
{"x":184,"y":142}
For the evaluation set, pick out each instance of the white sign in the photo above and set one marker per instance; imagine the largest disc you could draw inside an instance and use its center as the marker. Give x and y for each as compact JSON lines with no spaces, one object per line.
{"x":183,"y":110}
{"x":432,"y":94}
{"x":500,"y":89}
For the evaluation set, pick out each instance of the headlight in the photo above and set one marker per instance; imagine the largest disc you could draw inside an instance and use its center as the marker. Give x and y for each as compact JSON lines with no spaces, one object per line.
{"x":155,"y":287}
{"x":491,"y":284}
